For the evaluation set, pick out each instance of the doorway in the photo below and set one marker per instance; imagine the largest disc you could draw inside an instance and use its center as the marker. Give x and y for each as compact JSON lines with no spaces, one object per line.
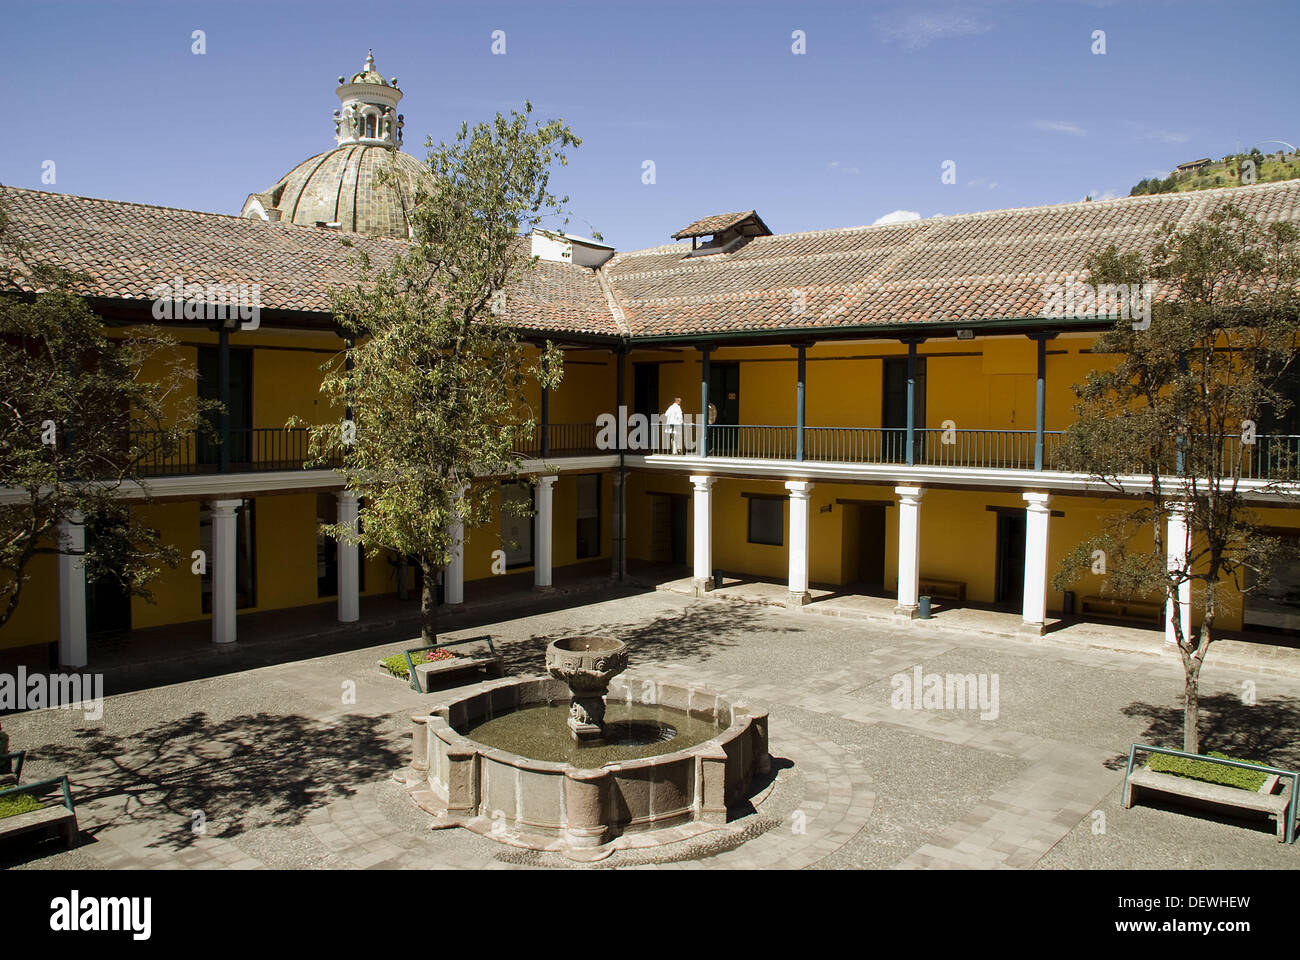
{"x":894,"y":413}
{"x":645,"y":389}
{"x":1010,"y":576}
{"x":724,"y":397}
{"x":108,"y":603}
{"x":208,"y":448}
{"x":863,"y":551}
{"x":668,"y":521}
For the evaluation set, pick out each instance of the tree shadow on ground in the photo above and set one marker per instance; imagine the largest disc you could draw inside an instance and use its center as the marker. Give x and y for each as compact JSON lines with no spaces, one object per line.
{"x":1268,"y":732}
{"x":695,"y":632}
{"x":242,"y":773}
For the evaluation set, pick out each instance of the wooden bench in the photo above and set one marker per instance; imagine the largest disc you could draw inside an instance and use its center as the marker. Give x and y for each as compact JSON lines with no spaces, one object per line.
{"x":1197,"y":793}
{"x":60,"y":817}
{"x":944,"y":589}
{"x":1138,"y":611}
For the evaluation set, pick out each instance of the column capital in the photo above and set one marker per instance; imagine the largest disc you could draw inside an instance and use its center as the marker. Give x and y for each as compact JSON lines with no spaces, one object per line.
{"x":548,"y":479}
{"x":799,"y":489}
{"x":1037,"y":502}
{"x":347,"y":496}
{"x":73,"y":518}
{"x":702,"y":482}
{"x":1178,"y":508}
{"x":910,"y":493}
{"x":224,"y":508}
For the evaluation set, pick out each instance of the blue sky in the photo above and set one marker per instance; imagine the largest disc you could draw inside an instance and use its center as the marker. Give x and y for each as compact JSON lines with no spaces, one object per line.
{"x":858,"y":126}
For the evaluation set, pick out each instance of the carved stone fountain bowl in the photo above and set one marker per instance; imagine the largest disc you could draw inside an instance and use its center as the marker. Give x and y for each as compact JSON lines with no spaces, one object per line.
{"x":586,"y":663}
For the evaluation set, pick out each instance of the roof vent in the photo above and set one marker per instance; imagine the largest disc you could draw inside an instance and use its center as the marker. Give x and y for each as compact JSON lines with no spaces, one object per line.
{"x":726,"y":231}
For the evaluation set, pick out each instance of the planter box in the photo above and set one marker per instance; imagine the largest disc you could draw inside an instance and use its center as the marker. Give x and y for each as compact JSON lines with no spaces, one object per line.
{"x":426,"y":674}
{"x":1213,"y":796}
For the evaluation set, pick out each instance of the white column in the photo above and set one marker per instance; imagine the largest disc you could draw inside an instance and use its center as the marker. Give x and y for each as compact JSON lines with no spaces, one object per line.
{"x":1037,"y":515}
{"x":703,"y":571}
{"x":544,"y":533}
{"x":349,"y":560}
{"x":222,"y":563}
{"x":909,"y":550}
{"x":800,"y":493}
{"x":453,"y":578}
{"x":1177,"y":548}
{"x":72,"y":591}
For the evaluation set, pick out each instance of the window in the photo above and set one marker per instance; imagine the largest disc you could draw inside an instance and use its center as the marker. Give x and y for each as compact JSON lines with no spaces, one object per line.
{"x":588,"y":515}
{"x":370,"y":125}
{"x":767,"y":520}
{"x":245,"y":551}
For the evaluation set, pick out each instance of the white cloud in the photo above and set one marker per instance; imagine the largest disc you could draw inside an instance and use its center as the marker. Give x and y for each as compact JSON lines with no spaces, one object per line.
{"x":915,"y":30}
{"x":1060,"y":126}
{"x":898,"y":216}
{"x":1143,"y":132}
{"x":841,"y":168}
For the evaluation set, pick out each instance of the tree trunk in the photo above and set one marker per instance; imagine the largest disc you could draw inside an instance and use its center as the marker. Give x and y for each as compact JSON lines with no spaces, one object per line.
{"x":428,"y":603}
{"x":1191,"y":707}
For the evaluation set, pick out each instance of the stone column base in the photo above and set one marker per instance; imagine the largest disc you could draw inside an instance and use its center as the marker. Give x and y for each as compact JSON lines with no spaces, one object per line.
{"x":1032,"y":629}
{"x":702,"y":586}
{"x":910,"y":611}
{"x":543,"y":588}
{"x":797,"y":598}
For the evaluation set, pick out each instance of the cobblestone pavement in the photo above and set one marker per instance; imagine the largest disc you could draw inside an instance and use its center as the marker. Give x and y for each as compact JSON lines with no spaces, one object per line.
{"x":290,"y":766}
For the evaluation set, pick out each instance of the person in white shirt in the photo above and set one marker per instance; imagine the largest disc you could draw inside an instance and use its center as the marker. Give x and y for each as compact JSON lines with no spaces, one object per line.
{"x":673,"y":421}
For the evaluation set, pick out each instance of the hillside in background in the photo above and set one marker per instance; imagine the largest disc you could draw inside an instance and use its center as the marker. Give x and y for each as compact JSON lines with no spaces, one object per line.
{"x":1231,"y":171}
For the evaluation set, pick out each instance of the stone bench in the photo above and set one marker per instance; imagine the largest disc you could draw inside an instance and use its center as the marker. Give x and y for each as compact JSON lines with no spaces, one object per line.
{"x":60,"y":817}
{"x":1141,"y":611}
{"x":943,"y":589}
{"x":1214,"y":796}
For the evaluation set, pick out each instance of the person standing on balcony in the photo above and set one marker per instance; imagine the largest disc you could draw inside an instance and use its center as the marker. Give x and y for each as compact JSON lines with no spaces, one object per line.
{"x":673,"y":420}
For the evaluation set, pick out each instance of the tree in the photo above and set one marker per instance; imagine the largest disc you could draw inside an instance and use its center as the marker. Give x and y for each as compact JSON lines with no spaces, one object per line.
{"x":432,"y":388}
{"x":79,"y":422}
{"x":1179,"y":409}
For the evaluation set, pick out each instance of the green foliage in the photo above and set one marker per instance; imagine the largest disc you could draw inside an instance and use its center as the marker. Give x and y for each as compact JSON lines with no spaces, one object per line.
{"x":437,"y":374}
{"x":1171,"y":410}
{"x":1269,"y":168}
{"x":18,"y":803}
{"x":396,"y":664}
{"x":1208,"y":772}
{"x":60,"y":372}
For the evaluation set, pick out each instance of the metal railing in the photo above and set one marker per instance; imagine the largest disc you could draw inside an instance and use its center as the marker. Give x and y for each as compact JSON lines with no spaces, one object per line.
{"x":563,"y":440}
{"x":252,"y":450}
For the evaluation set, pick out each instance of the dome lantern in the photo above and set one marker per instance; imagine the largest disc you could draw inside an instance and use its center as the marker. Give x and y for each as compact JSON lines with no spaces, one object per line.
{"x":368,"y":112}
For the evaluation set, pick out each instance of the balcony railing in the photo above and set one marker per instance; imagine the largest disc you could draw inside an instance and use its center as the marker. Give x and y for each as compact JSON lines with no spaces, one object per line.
{"x":563,"y":440}
{"x":252,"y":450}
{"x":1270,"y":457}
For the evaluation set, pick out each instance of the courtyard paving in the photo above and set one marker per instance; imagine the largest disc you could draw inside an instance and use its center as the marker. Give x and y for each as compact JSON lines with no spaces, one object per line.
{"x":290,"y":765}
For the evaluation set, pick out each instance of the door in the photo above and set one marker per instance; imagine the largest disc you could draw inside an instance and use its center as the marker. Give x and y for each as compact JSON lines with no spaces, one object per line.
{"x":871,"y":545}
{"x":678,"y":536}
{"x":668,"y":515}
{"x":645,"y":389}
{"x":588,"y":532}
{"x":894,"y":414}
{"x":1010,"y":585}
{"x":724,"y":397}
{"x":108,"y":604}
{"x":241,"y":405}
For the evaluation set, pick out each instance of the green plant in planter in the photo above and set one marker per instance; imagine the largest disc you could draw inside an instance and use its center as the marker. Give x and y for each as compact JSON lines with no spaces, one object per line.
{"x":396,"y":664}
{"x":1209,"y":772}
{"x":18,"y":803}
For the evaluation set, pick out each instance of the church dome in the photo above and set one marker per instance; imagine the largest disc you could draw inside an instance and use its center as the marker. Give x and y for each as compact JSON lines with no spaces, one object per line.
{"x":346,"y":188}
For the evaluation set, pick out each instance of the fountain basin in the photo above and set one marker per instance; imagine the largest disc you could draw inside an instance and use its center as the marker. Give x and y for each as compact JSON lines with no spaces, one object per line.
{"x":580,"y":810}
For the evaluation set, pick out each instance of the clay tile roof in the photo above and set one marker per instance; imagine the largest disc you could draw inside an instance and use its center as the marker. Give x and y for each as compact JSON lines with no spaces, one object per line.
{"x":990,"y":266}
{"x":717,"y":224}
{"x":128,"y":249}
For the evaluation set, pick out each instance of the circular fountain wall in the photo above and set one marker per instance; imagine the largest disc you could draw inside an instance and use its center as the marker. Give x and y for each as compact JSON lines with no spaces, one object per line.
{"x":588,"y":797}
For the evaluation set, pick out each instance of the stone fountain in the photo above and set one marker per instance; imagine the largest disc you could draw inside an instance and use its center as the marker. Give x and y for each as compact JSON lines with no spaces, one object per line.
{"x":586,"y":664}
{"x":507,"y":760}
